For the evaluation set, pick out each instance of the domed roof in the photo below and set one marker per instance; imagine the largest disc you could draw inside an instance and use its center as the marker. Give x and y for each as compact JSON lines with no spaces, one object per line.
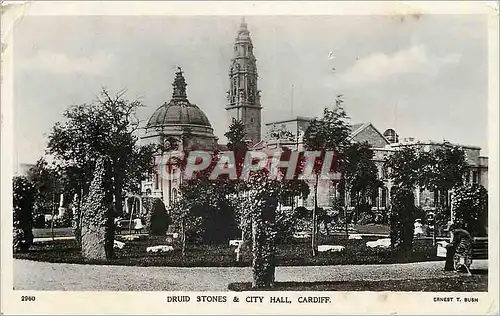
{"x":179,"y":111}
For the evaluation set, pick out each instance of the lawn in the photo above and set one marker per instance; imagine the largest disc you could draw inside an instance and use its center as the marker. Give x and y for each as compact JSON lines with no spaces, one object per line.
{"x":47,"y":232}
{"x":461,"y":283}
{"x":294,"y":253}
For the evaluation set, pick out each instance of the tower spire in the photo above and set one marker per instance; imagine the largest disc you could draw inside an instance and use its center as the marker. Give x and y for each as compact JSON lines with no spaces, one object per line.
{"x":243,"y":33}
{"x":243,"y":24}
{"x":243,"y":95}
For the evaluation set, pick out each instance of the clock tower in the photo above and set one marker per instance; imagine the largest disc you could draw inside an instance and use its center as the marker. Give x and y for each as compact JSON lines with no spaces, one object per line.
{"x":243,"y":95}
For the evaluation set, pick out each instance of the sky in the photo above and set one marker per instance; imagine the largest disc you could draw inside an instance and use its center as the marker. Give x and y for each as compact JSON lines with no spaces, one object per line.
{"x":425,"y":76}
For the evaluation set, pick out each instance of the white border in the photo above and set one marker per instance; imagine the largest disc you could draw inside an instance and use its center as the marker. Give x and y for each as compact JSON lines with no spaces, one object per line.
{"x":154,"y":302}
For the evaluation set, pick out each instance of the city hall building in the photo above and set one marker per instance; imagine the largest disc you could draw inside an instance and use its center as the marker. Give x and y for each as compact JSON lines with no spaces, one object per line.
{"x":179,"y":124}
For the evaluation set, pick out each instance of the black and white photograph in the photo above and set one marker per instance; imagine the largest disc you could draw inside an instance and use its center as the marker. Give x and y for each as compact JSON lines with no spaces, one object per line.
{"x":238,"y":154}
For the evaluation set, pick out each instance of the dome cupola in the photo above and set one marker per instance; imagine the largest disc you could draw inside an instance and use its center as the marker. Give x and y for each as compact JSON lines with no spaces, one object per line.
{"x":178,"y":111}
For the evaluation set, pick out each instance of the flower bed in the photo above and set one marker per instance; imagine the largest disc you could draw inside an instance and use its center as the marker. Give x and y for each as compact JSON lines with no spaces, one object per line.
{"x":295,"y":253}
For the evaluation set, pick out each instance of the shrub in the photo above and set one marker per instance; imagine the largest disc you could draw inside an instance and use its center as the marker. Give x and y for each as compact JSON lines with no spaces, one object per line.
{"x":470,"y":208}
{"x":23,"y":199}
{"x":366,"y":215}
{"x":58,"y":222}
{"x":287,"y":223}
{"x":157,"y":219}
{"x":39,"y":221}
{"x":402,"y":219}
{"x":219,"y":224}
{"x":67,"y":218}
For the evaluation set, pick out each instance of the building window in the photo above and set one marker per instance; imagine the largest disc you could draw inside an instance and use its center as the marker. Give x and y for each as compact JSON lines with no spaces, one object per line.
{"x":157,"y":186}
{"x":383,"y":198}
{"x":288,"y":201}
{"x":373,"y":198}
{"x":332,"y":192}
{"x":174,"y":195}
{"x":475,"y":177}
{"x":436,"y":198}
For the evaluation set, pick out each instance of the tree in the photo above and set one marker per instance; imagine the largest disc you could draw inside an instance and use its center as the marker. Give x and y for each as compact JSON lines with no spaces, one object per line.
{"x":441,"y":169}
{"x":330,"y":133}
{"x":402,"y":219}
{"x":98,"y":215}
{"x":450,"y":168}
{"x":289,"y":189}
{"x":265,"y":195}
{"x":265,"y":192}
{"x":199,"y":199}
{"x":138,"y":167}
{"x":47,"y":186}
{"x":236,"y":137}
{"x":360,"y":173}
{"x":23,"y":200}
{"x":445,"y":169}
{"x":405,"y":169}
{"x":470,"y":209}
{"x":105,"y":127}
{"x":239,"y":199}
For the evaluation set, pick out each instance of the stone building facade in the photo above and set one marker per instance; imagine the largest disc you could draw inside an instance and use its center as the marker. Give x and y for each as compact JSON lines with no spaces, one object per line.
{"x":179,"y":124}
{"x":176,"y":125}
{"x":289,"y":134}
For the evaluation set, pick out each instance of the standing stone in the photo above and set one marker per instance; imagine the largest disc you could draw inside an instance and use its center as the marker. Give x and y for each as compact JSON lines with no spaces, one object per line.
{"x":93,"y":242}
{"x":98,"y":216}
{"x":264,"y":243}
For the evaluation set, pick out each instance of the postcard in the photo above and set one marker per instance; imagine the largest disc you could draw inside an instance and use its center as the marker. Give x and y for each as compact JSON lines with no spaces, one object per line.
{"x":295,"y":158}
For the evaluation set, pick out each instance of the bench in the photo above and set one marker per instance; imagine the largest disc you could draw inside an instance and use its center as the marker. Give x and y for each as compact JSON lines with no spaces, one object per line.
{"x":480,"y":248}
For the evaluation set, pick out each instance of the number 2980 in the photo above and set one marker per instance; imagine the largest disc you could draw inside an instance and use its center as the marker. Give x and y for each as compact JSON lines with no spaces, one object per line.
{"x":25,"y":298}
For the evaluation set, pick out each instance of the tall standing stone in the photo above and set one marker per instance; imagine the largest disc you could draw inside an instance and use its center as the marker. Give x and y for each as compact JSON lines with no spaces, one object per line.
{"x":264,"y":243}
{"x":98,"y":216}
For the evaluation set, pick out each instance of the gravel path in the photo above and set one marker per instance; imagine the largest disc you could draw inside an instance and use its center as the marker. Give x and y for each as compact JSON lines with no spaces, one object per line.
{"x":31,"y":275}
